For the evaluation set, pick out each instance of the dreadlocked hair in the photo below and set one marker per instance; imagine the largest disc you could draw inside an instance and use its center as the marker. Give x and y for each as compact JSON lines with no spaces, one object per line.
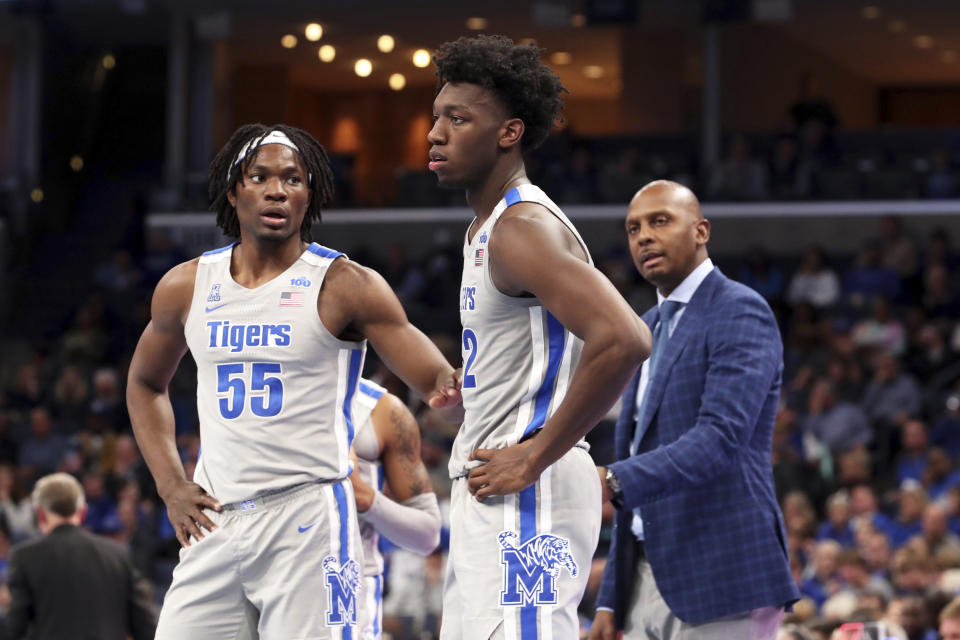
{"x":528,"y":89}
{"x":224,"y":176}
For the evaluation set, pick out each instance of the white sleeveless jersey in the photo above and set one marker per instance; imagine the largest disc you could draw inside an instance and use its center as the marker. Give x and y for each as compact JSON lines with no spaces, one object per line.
{"x":274,"y":388}
{"x":367,"y":446}
{"x":517,"y":358}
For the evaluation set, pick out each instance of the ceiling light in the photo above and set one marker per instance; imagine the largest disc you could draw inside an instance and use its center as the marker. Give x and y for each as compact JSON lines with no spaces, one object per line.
{"x":385,"y":43}
{"x":421,"y":58}
{"x":327,"y":53}
{"x":923,"y":42}
{"x":288,"y":41}
{"x":593,"y":71}
{"x":527,"y":42}
{"x":363,"y":67}
{"x":313,"y":32}
{"x":37,"y":195}
{"x":397,"y":81}
{"x":578,"y":20}
{"x":108,"y":61}
{"x":476,"y":23}
{"x":870,"y":12}
{"x":949,"y":56}
{"x":897,"y":26}
{"x":76,"y":163}
{"x":561,"y":57}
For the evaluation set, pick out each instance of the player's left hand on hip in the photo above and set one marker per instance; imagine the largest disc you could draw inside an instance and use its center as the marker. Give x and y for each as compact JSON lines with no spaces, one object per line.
{"x":447,"y":390}
{"x":506,"y":471}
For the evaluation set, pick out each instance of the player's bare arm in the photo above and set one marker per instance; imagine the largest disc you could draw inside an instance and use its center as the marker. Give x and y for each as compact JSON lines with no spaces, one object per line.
{"x":409,"y":516}
{"x":357,"y":302}
{"x":154,"y":362}
{"x":533,"y":253}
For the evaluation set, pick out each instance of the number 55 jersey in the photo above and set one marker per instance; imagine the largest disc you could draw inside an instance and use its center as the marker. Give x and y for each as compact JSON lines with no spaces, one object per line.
{"x":274,"y":387}
{"x":517,"y":358}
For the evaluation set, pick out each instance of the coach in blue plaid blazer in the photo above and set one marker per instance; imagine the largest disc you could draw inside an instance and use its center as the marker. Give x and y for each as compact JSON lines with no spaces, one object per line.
{"x":693,"y":478}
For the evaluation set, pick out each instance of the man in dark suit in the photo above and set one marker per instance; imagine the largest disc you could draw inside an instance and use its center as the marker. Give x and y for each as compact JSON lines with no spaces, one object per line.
{"x":71,"y":584}
{"x":699,"y":548}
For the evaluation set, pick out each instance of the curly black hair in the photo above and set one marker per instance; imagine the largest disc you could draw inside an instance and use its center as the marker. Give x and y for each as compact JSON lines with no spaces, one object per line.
{"x":224,"y":176}
{"x":528,"y":89}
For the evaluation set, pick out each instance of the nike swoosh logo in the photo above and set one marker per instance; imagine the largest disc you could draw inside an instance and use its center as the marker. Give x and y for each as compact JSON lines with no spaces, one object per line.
{"x":219,"y":306}
{"x":309,"y":526}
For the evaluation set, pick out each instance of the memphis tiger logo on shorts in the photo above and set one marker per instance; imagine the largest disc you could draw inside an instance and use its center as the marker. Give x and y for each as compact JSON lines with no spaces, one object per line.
{"x":530,"y":571}
{"x":343,"y":588}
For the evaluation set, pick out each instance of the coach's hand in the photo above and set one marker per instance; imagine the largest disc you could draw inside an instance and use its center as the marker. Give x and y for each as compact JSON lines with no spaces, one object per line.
{"x":603,"y":627}
{"x":185,"y":503}
{"x":446,"y":392}
{"x":506,"y":471}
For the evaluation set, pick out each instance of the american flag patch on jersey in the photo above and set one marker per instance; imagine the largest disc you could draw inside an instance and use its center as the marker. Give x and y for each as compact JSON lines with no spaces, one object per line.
{"x":291,"y":299}
{"x":478,"y":258}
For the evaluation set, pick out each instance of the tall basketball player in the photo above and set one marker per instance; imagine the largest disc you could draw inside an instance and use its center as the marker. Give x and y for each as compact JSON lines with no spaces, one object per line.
{"x":548,"y":345}
{"x":278,"y":328}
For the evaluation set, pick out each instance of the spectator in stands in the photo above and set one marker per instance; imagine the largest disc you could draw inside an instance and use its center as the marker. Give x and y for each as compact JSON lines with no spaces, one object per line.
{"x":915,"y":453}
{"x":26,"y":392}
{"x":785,"y":180}
{"x":738,"y":177}
{"x":70,"y":398}
{"x":863,"y":508}
{"x":15,"y":506}
{"x":931,"y":353}
{"x":107,"y":401}
{"x":899,"y":249}
{"x":856,"y":576}
{"x":939,"y":297}
{"x":946,"y":430}
{"x":579,"y":185}
{"x":870,"y":278}
{"x":43,"y":449}
{"x":821,"y":579}
{"x":939,"y":476}
{"x":950,"y":621}
{"x":891,"y":396}
{"x":878,"y":554}
{"x":813,"y":282}
{"x":881,"y":330}
{"x":910,"y":614}
{"x":618,"y":180}
{"x":913,"y":501}
{"x":811,"y":106}
{"x":161,"y":256}
{"x":101,"y":505}
{"x":938,"y":537}
{"x":938,"y":250}
{"x":761,"y":274}
{"x":86,"y":341}
{"x":119,"y":274}
{"x":837,"y":526}
{"x":941,"y":180}
{"x":845,"y":375}
{"x":840,"y":426}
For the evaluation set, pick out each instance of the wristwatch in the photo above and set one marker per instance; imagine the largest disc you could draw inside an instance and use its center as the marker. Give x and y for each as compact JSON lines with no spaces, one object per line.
{"x":611,"y":480}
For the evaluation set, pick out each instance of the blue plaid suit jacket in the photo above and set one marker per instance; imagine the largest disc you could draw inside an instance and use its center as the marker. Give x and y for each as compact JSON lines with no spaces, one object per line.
{"x":702,"y":476}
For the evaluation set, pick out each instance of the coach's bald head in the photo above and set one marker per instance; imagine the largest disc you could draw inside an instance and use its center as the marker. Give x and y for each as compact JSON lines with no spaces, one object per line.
{"x":668,"y":233}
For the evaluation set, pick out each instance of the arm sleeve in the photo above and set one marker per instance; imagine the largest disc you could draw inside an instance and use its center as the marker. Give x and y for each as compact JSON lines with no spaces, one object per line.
{"x":413,"y":524}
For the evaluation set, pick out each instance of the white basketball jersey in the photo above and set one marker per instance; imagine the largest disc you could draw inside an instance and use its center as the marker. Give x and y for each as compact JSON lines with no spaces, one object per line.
{"x":367,"y":446}
{"x":274,"y":388}
{"x":517,"y":358}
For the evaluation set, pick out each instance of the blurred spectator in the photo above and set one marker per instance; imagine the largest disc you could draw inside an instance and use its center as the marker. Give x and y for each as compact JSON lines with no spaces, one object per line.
{"x":837,"y":526}
{"x":119,"y":274}
{"x":938,"y":250}
{"x":25,"y":392}
{"x":912,"y":459}
{"x":950,"y":621}
{"x":939,"y":298}
{"x":762,"y":275}
{"x":15,"y":505}
{"x":86,"y":340}
{"x":838,"y":425}
{"x":899,"y":249}
{"x":913,"y":501}
{"x":863,"y":508}
{"x":813,"y":282}
{"x":786,"y":181}
{"x":620,"y":179}
{"x":856,"y":576}
{"x":101,"y":506}
{"x":891,"y":396}
{"x":870,"y":278}
{"x":946,"y":431}
{"x":107,"y":399}
{"x":881,"y":330}
{"x":878,"y":554}
{"x":811,"y":107}
{"x":821,"y":580}
{"x":910,"y":614}
{"x":938,"y":537}
{"x":739,"y":177}
{"x":161,"y":256}
{"x":43,"y":449}
{"x":931,"y":353}
{"x":941,"y":180}
{"x":579,"y":184}
{"x":939,"y":476}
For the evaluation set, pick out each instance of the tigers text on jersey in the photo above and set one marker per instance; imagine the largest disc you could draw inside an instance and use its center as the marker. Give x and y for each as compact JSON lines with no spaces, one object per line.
{"x":517,"y":358}
{"x":274,"y":388}
{"x":368,"y":447}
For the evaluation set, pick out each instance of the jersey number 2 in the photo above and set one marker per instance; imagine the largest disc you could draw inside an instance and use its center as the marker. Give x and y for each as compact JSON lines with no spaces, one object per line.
{"x":266,"y":389}
{"x":469,"y":345}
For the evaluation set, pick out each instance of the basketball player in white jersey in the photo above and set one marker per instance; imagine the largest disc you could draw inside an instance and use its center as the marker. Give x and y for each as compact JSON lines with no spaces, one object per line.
{"x":388,"y":452}
{"x":278,"y":328}
{"x":548,"y":346}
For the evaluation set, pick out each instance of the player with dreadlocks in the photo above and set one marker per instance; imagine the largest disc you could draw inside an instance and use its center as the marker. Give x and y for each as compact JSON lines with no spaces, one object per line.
{"x":548,"y":346}
{"x":278,"y":328}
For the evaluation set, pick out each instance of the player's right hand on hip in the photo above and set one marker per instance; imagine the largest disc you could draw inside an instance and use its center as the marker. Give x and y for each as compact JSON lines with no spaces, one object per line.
{"x":603,"y":627}
{"x":185,"y":504}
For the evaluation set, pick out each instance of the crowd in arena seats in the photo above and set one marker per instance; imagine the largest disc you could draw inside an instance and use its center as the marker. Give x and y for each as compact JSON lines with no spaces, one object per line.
{"x":865,"y":451}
